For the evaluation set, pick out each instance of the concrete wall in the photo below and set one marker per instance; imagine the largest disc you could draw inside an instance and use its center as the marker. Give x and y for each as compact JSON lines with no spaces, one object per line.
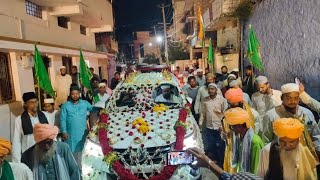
{"x":20,"y":25}
{"x":288,"y":31}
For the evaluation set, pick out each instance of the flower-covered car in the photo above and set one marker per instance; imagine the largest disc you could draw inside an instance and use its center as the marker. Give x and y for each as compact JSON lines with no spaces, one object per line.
{"x":147,"y":116}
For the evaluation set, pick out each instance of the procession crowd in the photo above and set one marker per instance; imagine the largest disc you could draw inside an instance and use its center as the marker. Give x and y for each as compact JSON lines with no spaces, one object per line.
{"x":249,"y":129}
{"x":252,"y":129}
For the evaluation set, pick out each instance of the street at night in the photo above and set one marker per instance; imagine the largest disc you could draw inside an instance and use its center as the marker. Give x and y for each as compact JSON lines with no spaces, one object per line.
{"x":159,"y":90}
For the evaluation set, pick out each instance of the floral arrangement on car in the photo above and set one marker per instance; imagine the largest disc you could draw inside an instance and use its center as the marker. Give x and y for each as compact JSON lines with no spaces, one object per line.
{"x":118,"y":163}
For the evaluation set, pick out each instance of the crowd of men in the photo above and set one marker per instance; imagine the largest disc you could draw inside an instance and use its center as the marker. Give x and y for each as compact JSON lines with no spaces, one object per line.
{"x":249,"y":127}
{"x":36,"y":153}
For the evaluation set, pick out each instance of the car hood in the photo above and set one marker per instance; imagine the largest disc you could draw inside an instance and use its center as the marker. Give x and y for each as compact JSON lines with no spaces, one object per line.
{"x":122,"y":134}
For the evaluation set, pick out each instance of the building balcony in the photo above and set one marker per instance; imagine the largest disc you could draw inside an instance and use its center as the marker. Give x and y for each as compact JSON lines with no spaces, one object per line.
{"x":220,"y":15}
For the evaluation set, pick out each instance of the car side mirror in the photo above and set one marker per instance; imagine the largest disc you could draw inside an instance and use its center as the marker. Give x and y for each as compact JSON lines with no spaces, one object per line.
{"x":189,"y":99}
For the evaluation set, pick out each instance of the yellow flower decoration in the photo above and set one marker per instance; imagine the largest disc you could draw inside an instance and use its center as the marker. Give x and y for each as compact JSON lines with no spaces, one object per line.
{"x":166,"y":75}
{"x":142,"y":126}
{"x":111,"y":158}
{"x":139,"y":121}
{"x":160,"y":108}
{"x":144,"y":129}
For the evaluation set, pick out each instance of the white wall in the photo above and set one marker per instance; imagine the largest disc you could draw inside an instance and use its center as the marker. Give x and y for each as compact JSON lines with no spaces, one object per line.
{"x":20,"y":25}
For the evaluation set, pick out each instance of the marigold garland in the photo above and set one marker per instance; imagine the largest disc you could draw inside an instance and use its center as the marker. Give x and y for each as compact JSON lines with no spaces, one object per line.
{"x":126,"y":174}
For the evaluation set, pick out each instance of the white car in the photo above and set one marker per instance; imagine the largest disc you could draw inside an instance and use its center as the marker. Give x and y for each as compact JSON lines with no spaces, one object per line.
{"x":143,"y":151}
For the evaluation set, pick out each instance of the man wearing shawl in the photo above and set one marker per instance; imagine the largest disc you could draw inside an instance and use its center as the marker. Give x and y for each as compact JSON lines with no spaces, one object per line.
{"x":9,"y":170}
{"x":23,"y":130}
{"x":234,"y":98}
{"x":246,"y":157}
{"x":290,"y":109}
{"x":50,"y":159}
{"x":286,"y":158}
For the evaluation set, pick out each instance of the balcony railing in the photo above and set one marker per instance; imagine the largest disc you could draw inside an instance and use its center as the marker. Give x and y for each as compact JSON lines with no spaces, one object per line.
{"x":221,"y":8}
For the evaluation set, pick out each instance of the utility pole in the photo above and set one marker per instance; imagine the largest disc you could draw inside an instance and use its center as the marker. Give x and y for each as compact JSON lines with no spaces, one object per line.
{"x":165,"y":35}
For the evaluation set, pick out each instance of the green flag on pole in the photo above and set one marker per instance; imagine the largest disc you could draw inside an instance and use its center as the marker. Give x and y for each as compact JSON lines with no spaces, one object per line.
{"x":253,"y":50}
{"x":85,"y":73}
{"x":85,"y":76}
{"x":210,"y":53}
{"x":41,"y":73}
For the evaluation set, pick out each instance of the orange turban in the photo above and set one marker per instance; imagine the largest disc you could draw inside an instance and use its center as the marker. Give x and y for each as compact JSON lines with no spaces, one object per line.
{"x":234,"y":95}
{"x":44,"y":131}
{"x":5,"y":147}
{"x":235,"y":116}
{"x":288,"y":127}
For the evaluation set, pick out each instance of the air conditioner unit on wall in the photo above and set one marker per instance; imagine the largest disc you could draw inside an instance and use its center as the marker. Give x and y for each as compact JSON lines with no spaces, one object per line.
{"x":27,"y":61}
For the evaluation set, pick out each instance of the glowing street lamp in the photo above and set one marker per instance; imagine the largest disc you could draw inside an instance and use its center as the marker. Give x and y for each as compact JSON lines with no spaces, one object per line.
{"x":150,"y":44}
{"x":159,"y":38}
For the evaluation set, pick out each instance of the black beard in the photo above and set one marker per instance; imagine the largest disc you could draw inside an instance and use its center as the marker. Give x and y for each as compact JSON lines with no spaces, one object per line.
{"x":75,"y":100}
{"x":166,"y":96}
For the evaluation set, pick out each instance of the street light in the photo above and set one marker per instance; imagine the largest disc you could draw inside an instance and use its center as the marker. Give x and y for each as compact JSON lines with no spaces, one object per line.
{"x":150,"y":44}
{"x":159,"y":38}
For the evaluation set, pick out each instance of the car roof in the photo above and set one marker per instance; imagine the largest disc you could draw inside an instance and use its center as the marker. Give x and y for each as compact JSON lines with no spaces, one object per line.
{"x":164,"y":77}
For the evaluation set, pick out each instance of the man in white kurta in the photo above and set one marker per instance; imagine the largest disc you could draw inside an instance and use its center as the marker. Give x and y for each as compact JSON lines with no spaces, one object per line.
{"x":62,"y":87}
{"x":291,"y":109}
{"x":287,"y":158}
{"x":48,"y":107}
{"x":266,"y":98}
{"x":203,"y":92}
{"x":23,"y":130}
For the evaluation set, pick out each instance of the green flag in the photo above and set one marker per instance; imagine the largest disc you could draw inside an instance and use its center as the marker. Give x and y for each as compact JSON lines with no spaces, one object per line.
{"x":210,"y":53}
{"x":85,"y":76}
{"x":41,"y":73}
{"x":85,"y":73}
{"x":253,"y":50}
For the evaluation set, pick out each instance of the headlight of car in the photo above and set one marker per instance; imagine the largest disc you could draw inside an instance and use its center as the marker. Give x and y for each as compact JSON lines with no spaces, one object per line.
{"x":93,"y":165}
{"x":189,"y":142}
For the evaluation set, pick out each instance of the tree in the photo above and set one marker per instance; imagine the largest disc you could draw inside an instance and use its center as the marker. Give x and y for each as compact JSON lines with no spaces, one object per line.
{"x":177,"y":51}
{"x":151,"y":59}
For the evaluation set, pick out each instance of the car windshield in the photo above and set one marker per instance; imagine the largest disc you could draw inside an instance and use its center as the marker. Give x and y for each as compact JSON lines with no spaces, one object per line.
{"x":144,"y":97}
{"x":166,"y":94}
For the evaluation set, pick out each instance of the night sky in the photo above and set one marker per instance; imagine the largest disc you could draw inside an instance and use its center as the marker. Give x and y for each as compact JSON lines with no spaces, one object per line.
{"x":138,"y":15}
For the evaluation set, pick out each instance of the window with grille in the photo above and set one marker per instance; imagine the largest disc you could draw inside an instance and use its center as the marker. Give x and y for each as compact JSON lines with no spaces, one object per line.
{"x":33,"y":9}
{"x":6,"y":88}
{"x":63,"y":21}
{"x":83,"y":30}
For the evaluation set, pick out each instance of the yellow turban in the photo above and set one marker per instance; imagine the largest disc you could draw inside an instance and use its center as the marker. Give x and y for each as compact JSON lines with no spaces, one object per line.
{"x":235,"y":116}
{"x":5,"y":147}
{"x":288,"y":127}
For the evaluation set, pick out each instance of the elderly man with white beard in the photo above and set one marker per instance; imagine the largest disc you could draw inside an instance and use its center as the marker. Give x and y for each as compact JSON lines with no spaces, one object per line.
{"x":49,"y":159}
{"x":286,"y":158}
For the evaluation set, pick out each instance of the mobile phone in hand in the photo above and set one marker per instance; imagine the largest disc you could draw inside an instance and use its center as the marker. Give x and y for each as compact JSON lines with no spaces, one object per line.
{"x":179,"y":158}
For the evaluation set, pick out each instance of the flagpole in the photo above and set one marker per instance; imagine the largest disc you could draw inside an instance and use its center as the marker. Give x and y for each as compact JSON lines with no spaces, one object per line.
{"x":39,"y":95}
